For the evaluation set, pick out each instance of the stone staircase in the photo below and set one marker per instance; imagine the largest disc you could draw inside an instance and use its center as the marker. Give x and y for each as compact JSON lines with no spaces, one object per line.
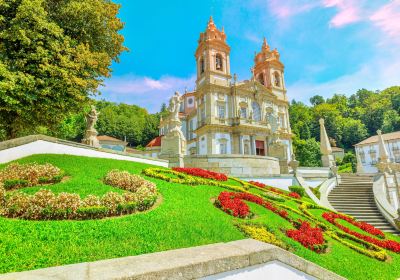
{"x":354,"y":196}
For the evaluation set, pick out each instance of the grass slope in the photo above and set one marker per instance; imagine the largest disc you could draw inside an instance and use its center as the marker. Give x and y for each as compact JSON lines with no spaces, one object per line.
{"x":186,"y":217}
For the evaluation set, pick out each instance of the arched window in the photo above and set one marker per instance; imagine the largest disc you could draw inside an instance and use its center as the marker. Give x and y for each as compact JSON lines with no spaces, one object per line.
{"x":261,"y":78}
{"x":202,"y":66}
{"x":256,"y":111}
{"x":218,"y":62}
{"x":277,"y":79}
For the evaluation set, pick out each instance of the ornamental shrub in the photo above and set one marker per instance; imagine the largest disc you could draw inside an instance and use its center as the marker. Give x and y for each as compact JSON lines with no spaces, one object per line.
{"x":126,"y":181}
{"x":15,"y":184}
{"x":29,"y":174}
{"x":112,"y":200}
{"x":92,"y":212}
{"x":298,"y":189}
{"x":91,"y":201}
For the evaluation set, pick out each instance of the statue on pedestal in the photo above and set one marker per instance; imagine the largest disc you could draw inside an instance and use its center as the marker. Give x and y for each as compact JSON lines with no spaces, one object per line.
{"x":173,"y":144}
{"x":91,"y":133}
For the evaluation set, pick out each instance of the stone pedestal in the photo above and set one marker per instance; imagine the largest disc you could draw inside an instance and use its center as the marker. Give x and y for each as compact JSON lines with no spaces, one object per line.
{"x":173,"y":145}
{"x":91,"y":138}
{"x":294,"y":164}
{"x":279,"y":150}
{"x":328,"y":160}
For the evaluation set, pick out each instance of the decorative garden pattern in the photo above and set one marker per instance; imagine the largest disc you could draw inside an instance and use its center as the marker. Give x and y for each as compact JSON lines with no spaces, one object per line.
{"x":308,"y":224}
{"x":139,"y":195}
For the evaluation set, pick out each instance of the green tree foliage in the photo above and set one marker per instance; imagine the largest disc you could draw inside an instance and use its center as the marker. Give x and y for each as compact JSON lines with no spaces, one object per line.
{"x":130,"y":121}
{"x":53,"y":56}
{"x":307,"y":152}
{"x":348,"y":120}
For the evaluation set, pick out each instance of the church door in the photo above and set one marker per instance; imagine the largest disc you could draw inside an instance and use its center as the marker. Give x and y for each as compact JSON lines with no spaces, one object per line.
{"x":260,"y":148}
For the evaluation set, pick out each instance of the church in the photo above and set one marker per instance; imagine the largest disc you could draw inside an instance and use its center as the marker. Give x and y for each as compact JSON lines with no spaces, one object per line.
{"x":237,"y":124}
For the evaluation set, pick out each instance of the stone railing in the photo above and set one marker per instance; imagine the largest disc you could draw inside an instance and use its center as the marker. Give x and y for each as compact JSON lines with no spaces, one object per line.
{"x":325,"y":189}
{"x":383,"y":188}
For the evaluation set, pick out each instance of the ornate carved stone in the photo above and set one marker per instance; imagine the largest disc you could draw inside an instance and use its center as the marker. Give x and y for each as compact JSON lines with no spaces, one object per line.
{"x":91,"y":133}
{"x":173,"y":144}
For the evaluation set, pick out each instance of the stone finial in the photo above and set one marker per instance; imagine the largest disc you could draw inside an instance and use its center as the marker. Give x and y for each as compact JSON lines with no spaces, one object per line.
{"x":383,"y":153}
{"x":360,"y":167}
{"x":325,"y":145}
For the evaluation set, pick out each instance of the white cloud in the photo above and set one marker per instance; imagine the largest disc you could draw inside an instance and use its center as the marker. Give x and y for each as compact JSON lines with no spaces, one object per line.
{"x":144,"y":91}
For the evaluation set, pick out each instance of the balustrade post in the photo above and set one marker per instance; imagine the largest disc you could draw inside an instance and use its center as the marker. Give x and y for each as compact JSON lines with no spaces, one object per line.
{"x":382,"y":168}
{"x":396,"y":167}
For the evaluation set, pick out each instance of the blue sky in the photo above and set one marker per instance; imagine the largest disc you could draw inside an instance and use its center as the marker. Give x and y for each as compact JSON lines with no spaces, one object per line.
{"x":327,"y":46}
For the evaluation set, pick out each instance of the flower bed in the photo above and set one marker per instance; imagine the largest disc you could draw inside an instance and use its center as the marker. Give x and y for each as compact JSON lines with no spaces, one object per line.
{"x":260,"y":233}
{"x":387,"y":244}
{"x":309,"y":237}
{"x":183,"y":178}
{"x":45,"y":205}
{"x":15,"y":175}
{"x":295,"y":195}
{"x":232,"y":205}
{"x":202,"y":173}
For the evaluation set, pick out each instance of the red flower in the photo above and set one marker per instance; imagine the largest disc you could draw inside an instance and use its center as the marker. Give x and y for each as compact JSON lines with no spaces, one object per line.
{"x":202,"y":173}
{"x":309,"y":237}
{"x":387,"y":244}
{"x":233,"y":205}
{"x":295,"y":195}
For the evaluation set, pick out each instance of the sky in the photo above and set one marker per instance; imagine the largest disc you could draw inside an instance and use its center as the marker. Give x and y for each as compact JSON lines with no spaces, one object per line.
{"x":327,"y":46}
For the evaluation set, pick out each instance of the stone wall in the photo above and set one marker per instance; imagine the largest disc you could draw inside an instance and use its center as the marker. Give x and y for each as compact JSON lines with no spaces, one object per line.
{"x":248,"y":166}
{"x":39,"y":144}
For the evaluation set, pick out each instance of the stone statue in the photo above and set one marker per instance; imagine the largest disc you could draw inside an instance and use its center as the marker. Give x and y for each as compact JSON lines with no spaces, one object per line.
{"x":91,"y":132}
{"x":173,"y":143}
{"x":92,"y":118}
{"x":175,"y":105}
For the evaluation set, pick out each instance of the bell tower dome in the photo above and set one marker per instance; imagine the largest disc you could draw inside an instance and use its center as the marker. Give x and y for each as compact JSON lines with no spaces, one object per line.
{"x":268,"y":69}
{"x":212,"y":57}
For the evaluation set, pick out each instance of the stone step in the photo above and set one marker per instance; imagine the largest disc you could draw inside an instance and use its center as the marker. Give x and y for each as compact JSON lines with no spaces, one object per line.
{"x":345,"y":192}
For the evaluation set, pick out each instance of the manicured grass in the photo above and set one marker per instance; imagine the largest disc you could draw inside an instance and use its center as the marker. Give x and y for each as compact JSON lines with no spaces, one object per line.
{"x":186,"y":217}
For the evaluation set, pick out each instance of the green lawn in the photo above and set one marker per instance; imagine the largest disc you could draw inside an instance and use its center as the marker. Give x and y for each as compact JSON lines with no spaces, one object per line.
{"x":186,"y":217}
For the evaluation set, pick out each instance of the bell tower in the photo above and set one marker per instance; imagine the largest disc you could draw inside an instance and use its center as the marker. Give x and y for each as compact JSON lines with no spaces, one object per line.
{"x":212,"y":57}
{"x":268,"y":69}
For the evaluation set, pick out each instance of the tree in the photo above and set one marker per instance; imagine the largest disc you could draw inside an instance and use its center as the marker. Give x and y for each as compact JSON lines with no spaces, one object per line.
{"x":53,"y":56}
{"x":353,"y":131}
{"x":317,"y":100}
{"x":130,"y":121}
{"x":307,"y":152}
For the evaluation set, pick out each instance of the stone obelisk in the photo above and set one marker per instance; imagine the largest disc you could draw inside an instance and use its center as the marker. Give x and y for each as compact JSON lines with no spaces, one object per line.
{"x":325,"y":146}
{"x":383,"y":153}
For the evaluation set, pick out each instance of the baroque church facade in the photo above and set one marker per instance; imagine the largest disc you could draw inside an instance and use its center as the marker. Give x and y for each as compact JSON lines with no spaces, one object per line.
{"x":224,"y":116}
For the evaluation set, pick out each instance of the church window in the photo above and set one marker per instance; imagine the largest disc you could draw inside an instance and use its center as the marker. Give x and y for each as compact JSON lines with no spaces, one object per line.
{"x":243,"y":112}
{"x":218,"y":62}
{"x":222,"y":148}
{"x":261,"y":78}
{"x":247,"y":148}
{"x":203,"y":114}
{"x":256,"y":111}
{"x":277,"y":79}
{"x":202,"y":66}
{"x":221,"y":111}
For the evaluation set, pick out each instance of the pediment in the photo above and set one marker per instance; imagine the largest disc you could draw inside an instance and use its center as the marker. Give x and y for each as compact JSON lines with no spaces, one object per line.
{"x":255,"y":87}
